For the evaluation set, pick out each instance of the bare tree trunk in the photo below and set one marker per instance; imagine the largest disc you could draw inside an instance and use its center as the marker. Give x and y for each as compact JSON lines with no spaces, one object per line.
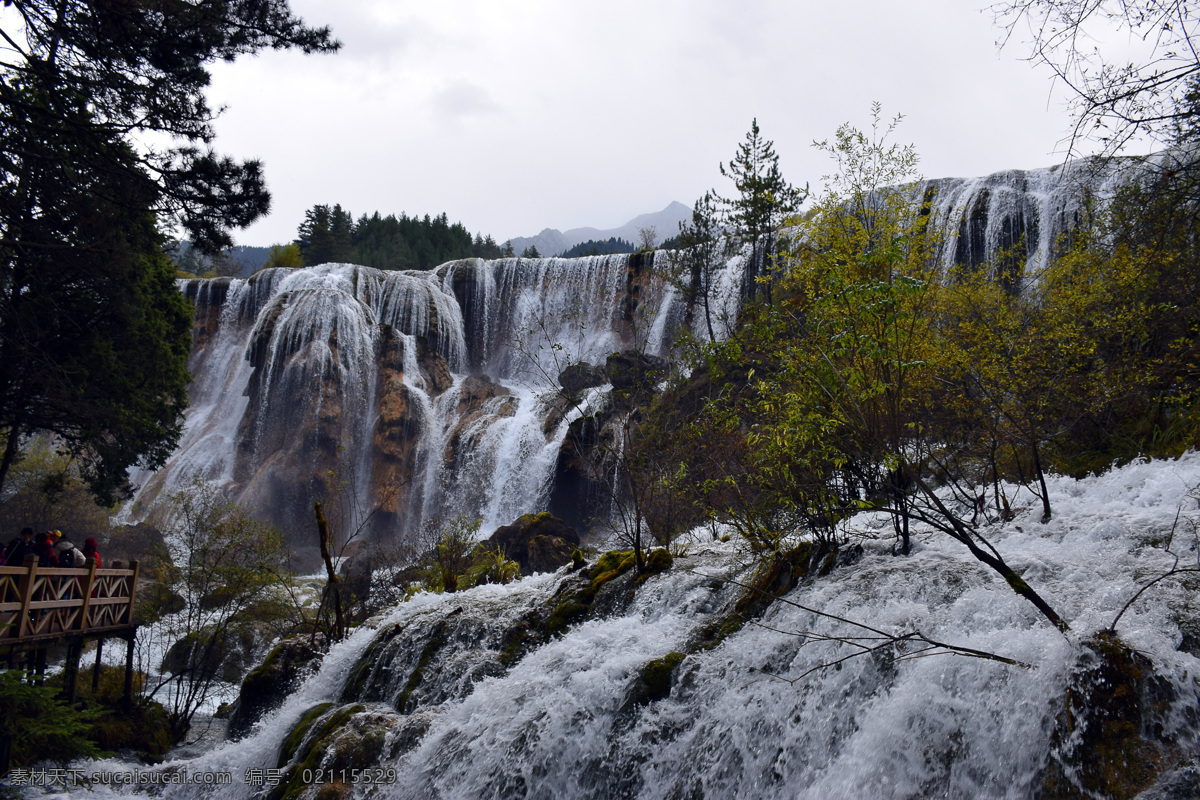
{"x":10,"y":452}
{"x":1037,"y":465}
{"x":959,"y":531}
{"x":333,"y":587}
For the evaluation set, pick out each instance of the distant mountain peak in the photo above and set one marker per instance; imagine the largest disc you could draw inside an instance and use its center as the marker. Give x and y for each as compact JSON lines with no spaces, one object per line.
{"x":552,"y":241}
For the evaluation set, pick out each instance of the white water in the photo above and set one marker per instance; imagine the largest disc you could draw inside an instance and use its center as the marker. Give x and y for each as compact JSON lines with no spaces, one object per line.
{"x":558,"y":723}
{"x":1026,"y":209}
{"x":286,"y":380}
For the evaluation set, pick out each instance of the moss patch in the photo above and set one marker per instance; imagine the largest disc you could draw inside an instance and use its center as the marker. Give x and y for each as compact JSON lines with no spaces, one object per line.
{"x":564,"y":615}
{"x":301,"y":728}
{"x":774,"y":578}
{"x":358,"y":683}
{"x":654,"y":680}
{"x":575,"y":607}
{"x":266,"y":686}
{"x":659,"y":560}
{"x":437,"y":640}
{"x":518,"y":640}
{"x":311,"y":746}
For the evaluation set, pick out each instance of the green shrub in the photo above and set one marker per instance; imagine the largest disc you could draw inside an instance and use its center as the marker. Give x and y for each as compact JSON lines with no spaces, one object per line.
{"x":40,"y":726}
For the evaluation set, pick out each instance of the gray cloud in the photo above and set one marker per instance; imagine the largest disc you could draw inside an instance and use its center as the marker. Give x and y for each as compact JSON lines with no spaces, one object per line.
{"x":463,"y":99}
{"x":529,"y":114}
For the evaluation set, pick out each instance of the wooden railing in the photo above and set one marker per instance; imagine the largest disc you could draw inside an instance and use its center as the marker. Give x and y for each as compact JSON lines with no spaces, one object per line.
{"x":44,"y":603}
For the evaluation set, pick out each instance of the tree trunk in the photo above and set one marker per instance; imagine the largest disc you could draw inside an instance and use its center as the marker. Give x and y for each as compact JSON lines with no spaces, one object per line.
{"x":1037,"y":465}
{"x":994,"y":561}
{"x":333,"y":584}
{"x":10,"y":453}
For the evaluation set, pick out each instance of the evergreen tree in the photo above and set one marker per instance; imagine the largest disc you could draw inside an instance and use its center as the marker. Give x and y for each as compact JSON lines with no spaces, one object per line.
{"x":764,"y":200}
{"x":593,"y":247}
{"x":94,"y":336}
{"x":325,"y":236}
{"x":391,"y":242}
{"x":699,"y":251}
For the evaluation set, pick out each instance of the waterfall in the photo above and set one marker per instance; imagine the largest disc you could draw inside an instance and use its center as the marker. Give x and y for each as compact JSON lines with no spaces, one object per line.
{"x":432,"y":394}
{"x":425,"y":395}
{"x":1013,"y":221}
{"x":428,"y":395}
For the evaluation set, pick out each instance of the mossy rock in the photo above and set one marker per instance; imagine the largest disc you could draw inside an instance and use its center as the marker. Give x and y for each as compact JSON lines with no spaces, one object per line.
{"x":775,"y":577}
{"x":359,"y":743}
{"x":266,"y":686}
{"x":526,"y":634}
{"x":334,"y":791}
{"x":144,"y":728}
{"x":537,"y":542}
{"x":310,"y":746}
{"x":157,"y":600}
{"x":292,"y":742}
{"x":358,"y":684}
{"x":659,"y":560}
{"x":575,"y":606}
{"x":436,"y":641}
{"x":1109,"y":739}
{"x":709,"y":636}
{"x":654,"y":680}
{"x":611,"y":561}
{"x":564,"y":615}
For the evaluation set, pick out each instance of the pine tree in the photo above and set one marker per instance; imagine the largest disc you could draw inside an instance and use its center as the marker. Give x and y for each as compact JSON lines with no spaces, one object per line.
{"x":763,"y":202}
{"x":94,"y":336}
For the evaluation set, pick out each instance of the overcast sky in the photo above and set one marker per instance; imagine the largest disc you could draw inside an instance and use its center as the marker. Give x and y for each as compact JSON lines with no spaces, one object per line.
{"x":515,"y":116}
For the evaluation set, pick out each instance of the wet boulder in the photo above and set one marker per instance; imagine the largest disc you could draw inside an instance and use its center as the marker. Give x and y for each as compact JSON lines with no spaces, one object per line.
{"x":538,"y":542}
{"x":632,"y":371}
{"x":268,"y":685}
{"x":578,"y":377}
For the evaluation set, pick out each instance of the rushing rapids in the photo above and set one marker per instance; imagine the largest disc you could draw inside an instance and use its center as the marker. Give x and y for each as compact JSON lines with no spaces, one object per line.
{"x":460,"y":696}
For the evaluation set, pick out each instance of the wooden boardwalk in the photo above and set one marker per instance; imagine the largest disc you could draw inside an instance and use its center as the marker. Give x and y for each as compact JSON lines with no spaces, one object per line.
{"x":42,"y":606}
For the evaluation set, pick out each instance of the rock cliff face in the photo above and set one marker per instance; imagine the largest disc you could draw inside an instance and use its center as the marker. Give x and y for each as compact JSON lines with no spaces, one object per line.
{"x":425,"y":396}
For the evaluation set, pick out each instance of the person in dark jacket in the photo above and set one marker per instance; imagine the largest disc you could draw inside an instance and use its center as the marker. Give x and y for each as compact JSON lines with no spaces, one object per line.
{"x":14,"y":554}
{"x":44,"y":550}
{"x":66,"y":552}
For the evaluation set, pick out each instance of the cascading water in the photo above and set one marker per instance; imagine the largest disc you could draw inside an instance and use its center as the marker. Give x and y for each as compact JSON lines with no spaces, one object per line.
{"x":442,"y":695}
{"x":426,"y":395}
{"x":434,"y":384}
{"x":1012,"y":221}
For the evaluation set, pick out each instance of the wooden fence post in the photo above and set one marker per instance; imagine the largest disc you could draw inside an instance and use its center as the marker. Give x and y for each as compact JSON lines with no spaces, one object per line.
{"x":25,"y":592}
{"x":135,"y":566}
{"x":128,"y":697}
{"x":87,"y":594}
{"x":71,"y":667}
{"x":96,"y":669}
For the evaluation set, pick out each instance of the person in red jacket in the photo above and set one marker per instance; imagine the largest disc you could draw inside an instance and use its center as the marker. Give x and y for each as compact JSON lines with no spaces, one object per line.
{"x":90,"y":552}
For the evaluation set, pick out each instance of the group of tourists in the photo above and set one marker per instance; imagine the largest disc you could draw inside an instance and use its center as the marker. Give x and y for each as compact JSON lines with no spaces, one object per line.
{"x":52,"y":550}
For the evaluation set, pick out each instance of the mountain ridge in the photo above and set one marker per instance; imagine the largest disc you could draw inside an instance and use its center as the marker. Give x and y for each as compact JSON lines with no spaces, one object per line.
{"x":551,"y":241}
